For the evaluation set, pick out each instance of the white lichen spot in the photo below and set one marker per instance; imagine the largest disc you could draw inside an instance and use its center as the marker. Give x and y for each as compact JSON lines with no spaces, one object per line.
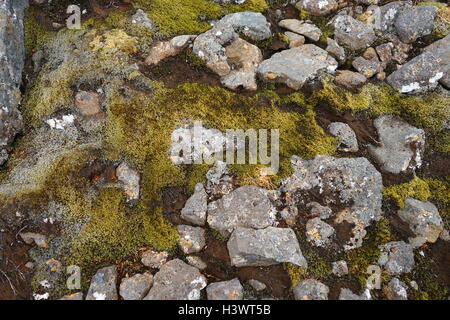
{"x":99,"y":296}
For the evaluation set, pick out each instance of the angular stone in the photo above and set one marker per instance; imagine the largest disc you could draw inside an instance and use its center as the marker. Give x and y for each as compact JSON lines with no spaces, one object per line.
{"x":319,"y":233}
{"x":350,"y":80}
{"x":194,"y":210}
{"x":423,"y":219}
{"x":339,"y":268}
{"x":396,"y":290}
{"x":396,"y":257}
{"x":401,"y":145}
{"x":225,"y":290}
{"x":191,"y":239}
{"x":347,"y":141}
{"x":248,"y":247}
{"x":196,"y":262}
{"x":296,"y":66}
{"x":164,"y":49}
{"x":39,"y":239}
{"x":352,"y":33}
{"x":295,"y":40}
{"x":247,"y":206}
{"x":103,"y":285}
{"x":311,"y":289}
{"x":389,"y":14}
{"x":336,"y":50}
{"x":177,"y":280}
{"x":88,"y":103}
{"x":318,"y":211}
{"x":306,"y":29}
{"x":384,"y":51}
{"x":154,"y":259}
{"x":130,"y":179}
{"x":257,"y":285}
{"x":318,"y":8}
{"x":367,"y":67}
{"x":136,"y":287}
{"x":416,"y":22}
{"x":251,"y":24}
{"x":347,"y":294}
{"x":289,"y":215}
{"x":141,"y":18}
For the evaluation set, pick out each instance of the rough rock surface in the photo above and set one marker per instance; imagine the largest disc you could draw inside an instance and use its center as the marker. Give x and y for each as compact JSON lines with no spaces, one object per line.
{"x":367,"y":67}
{"x":336,"y":50}
{"x":389,"y":14}
{"x":248,"y":247}
{"x":297,"y":65}
{"x":396,"y":257}
{"x":401,"y":145}
{"x":319,"y":233}
{"x":257,"y":285}
{"x":311,"y":289}
{"x":154,"y":259}
{"x":346,"y":136}
{"x":196,"y":262}
{"x":130,"y":179}
{"x":318,"y":8}
{"x":423,"y":219}
{"x":194,"y":211}
{"x":191,"y":239}
{"x":225,"y":290}
{"x":177,"y":280}
{"x":416,"y":22}
{"x":88,"y":103}
{"x":141,"y":18}
{"x":347,"y":294}
{"x":319,"y":211}
{"x":218,"y":182}
{"x":349,"y":79}
{"x":103,"y":285}
{"x":340,"y":268}
{"x":164,"y":49}
{"x":295,"y":40}
{"x":352,"y":33}
{"x":247,"y":206}
{"x":396,"y":290}
{"x":136,"y":287}
{"x":306,"y":29}
{"x":39,"y":239}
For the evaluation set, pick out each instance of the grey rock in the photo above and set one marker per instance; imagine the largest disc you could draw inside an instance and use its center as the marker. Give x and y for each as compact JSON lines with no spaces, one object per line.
{"x":319,"y":233}
{"x":37,"y":58}
{"x":319,"y":211}
{"x":368,"y":2}
{"x":12,"y":56}
{"x":401,"y":145}
{"x":295,"y":40}
{"x":347,"y":294}
{"x":311,"y":289}
{"x":396,"y":290}
{"x":225,"y":290}
{"x":352,"y":33}
{"x":251,"y":24}
{"x":306,"y":29}
{"x":336,"y":50}
{"x":177,"y":280}
{"x":218,"y":182}
{"x":445,"y":235}
{"x":164,"y":49}
{"x":339,"y":268}
{"x":396,"y":257}
{"x":416,"y":22}
{"x":257,"y":285}
{"x":367,"y":67}
{"x":423,"y":219}
{"x":296,"y":66}
{"x":3,"y":156}
{"x":39,"y":239}
{"x":196,"y":262}
{"x":289,"y":215}
{"x":191,"y":239}
{"x":136,"y":287}
{"x":249,"y":247}
{"x":154,"y":259}
{"x":103,"y":285}
{"x":389,"y":14}
{"x":318,"y":8}
{"x":247,"y":206}
{"x":130,"y":179}
{"x":349,"y":79}
{"x":141,"y":18}
{"x":194,"y":210}
{"x":74,"y":296}
{"x":347,"y":141}
{"x":384,"y":51}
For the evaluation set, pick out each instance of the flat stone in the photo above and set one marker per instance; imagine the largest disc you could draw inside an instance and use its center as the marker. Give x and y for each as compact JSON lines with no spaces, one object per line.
{"x":225,"y":290}
{"x":347,"y":141}
{"x":350,"y":80}
{"x":319,"y":211}
{"x":164,"y":49}
{"x":249,"y":247}
{"x":88,"y":103}
{"x":177,"y":280}
{"x":295,"y":40}
{"x":311,"y":289}
{"x":194,"y":210}
{"x":416,"y":22}
{"x":191,"y":239}
{"x":352,"y":33}
{"x":318,"y":8}
{"x":319,"y":233}
{"x":367,"y":67}
{"x":296,"y":66}
{"x":103,"y":285}
{"x":154,"y":259}
{"x":247,"y":206}
{"x":196,"y":262}
{"x":401,"y":145}
{"x":136,"y":287}
{"x":306,"y":29}
{"x":396,"y":257}
{"x":389,"y":14}
{"x":39,"y":239}
{"x":339,"y":268}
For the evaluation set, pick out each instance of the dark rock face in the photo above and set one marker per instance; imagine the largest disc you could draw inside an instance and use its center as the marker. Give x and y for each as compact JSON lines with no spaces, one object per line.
{"x":12,"y":55}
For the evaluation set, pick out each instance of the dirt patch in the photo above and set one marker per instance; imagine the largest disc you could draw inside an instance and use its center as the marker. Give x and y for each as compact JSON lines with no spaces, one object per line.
{"x":440,"y":252}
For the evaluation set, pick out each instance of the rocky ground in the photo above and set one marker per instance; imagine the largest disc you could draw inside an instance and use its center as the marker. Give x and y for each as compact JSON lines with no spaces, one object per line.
{"x":358,"y":89}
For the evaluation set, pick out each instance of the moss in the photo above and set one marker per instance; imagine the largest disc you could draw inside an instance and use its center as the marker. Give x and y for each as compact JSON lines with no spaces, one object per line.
{"x":36,"y":34}
{"x":441,"y":142}
{"x":440,"y":195}
{"x":295,"y":272}
{"x":416,"y":188}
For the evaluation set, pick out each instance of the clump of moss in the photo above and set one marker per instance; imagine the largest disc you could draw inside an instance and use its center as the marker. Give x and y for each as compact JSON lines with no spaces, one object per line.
{"x":295,"y":272}
{"x":416,"y":188}
{"x":36,"y":34}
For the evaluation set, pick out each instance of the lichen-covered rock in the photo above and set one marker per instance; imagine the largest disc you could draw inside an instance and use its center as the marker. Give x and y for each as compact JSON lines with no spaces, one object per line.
{"x":396,"y":257}
{"x":416,"y":22}
{"x":103,"y":285}
{"x":191,"y":239}
{"x":318,"y":7}
{"x":319,"y":233}
{"x":177,"y":280}
{"x":154,"y":259}
{"x":396,"y":290}
{"x":388,"y":14}
{"x":347,"y":294}
{"x":340,"y":268}
{"x":130,"y":179}
{"x":295,"y":40}
{"x":249,"y":247}
{"x":88,"y":103}
{"x":423,"y":219}
{"x":251,"y":24}
{"x":218,"y":181}
{"x":306,"y":29}
{"x":196,"y":262}
{"x":336,"y":50}
{"x":247,"y":206}
{"x":136,"y":287}
{"x":319,"y":211}
{"x":346,"y":136}
{"x":141,"y":18}
{"x":194,"y":211}
{"x":311,"y":289}
{"x":349,"y":79}
{"x":164,"y":49}
{"x":352,"y":33}
{"x":225,"y":290}
{"x":401,"y":145}
{"x":367,"y":67}
{"x":39,"y":239}
{"x":296,"y":66}
{"x":12,"y":56}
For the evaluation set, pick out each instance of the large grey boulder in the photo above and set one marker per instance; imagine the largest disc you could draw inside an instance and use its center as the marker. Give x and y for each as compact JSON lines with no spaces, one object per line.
{"x":225,"y":290}
{"x":352,"y":182}
{"x":423,"y":219}
{"x":12,"y":56}
{"x":396,"y":257}
{"x":311,"y":289}
{"x":103,"y":285}
{"x":416,"y":22}
{"x":194,"y":210}
{"x":249,"y":247}
{"x":296,"y":66}
{"x":318,"y":8}
{"x":247,"y":206}
{"x":401,"y":145}
{"x":352,"y":33}
{"x":177,"y":280}
{"x":425,"y":71}
{"x":136,"y":287}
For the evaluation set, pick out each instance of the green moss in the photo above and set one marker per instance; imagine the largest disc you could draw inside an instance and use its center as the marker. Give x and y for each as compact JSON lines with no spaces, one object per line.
{"x":416,"y":188}
{"x":295,"y":272}
{"x":36,"y":34}
{"x":441,"y":143}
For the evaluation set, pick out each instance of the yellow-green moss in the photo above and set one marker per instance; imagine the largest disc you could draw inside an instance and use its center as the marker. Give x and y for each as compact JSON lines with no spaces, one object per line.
{"x":416,"y":188}
{"x":36,"y":34}
{"x":295,"y":272}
